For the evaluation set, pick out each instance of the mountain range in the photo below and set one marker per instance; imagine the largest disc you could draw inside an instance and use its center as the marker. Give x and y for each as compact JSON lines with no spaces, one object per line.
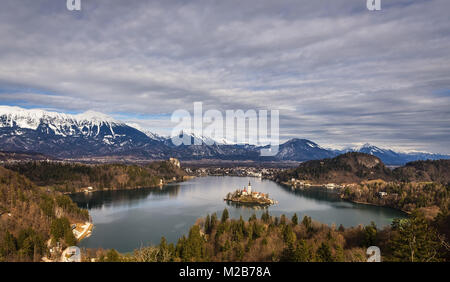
{"x":93,"y":134}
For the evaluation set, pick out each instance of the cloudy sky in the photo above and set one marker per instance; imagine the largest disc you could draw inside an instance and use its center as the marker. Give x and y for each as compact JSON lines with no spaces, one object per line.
{"x":338,"y":73}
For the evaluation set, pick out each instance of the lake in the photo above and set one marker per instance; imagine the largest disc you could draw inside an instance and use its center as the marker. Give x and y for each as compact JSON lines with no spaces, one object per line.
{"x":127,"y":219}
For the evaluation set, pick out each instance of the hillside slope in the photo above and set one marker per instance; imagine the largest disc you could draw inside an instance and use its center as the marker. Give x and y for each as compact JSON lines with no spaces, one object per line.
{"x":71,"y":177}
{"x":424,"y":171}
{"x":30,"y":215}
{"x":345,"y":168}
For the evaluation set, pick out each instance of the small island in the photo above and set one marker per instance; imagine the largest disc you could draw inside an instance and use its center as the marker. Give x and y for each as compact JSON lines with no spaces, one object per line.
{"x":247,"y":196}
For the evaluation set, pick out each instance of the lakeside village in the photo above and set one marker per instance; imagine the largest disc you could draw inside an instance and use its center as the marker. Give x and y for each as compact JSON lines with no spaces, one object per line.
{"x":247,"y":196}
{"x":296,"y":183}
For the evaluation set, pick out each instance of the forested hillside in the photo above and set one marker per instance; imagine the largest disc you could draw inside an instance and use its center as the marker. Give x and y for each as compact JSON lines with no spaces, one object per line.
{"x":424,"y":171}
{"x":298,"y":240}
{"x":358,"y":167}
{"x":33,"y":209}
{"x":400,"y":195}
{"x":30,"y":215}
{"x":70,"y":177}
{"x":345,"y":168}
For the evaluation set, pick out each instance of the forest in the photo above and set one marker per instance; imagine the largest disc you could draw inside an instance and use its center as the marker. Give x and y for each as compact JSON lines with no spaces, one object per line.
{"x":358,"y":167}
{"x":31,"y":215}
{"x":278,"y":239}
{"x":365,"y":179}
{"x":71,"y":177}
{"x":430,"y":197}
{"x":35,"y":214}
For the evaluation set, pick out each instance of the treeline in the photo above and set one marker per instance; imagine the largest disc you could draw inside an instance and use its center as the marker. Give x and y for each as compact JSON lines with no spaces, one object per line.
{"x":275,"y":239}
{"x":357,"y":167}
{"x":419,"y":184}
{"x":345,"y":168}
{"x":70,"y":177}
{"x":30,"y":216}
{"x":400,"y":195}
{"x":424,"y":171}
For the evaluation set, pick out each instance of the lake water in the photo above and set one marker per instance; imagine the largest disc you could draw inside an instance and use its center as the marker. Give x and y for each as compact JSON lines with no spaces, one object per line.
{"x":127,"y":219}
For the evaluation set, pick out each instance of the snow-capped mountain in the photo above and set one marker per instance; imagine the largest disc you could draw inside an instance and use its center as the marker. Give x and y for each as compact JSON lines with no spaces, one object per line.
{"x":197,"y":139}
{"x":392,"y":157}
{"x":68,"y":135}
{"x":96,"y":134}
{"x":302,"y":150}
{"x":151,"y":135}
{"x":89,"y":123}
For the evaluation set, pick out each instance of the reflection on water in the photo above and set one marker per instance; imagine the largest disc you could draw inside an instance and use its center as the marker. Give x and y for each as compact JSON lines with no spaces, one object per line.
{"x":121,"y":197}
{"x":247,"y":207}
{"x":128,"y":219}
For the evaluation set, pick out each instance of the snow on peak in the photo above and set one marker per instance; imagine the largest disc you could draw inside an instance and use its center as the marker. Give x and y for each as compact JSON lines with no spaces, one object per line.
{"x":209,"y":140}
{"x":366,"y":146}
{"x":311,"y":144}
{"x":149,"y":133}
{"x":36,"y":115}
{"x":87,"y":123}
{"x":95,"y":116}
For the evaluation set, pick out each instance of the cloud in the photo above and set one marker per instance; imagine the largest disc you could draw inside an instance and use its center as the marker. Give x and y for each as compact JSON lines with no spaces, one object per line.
{"x":338,"y":73}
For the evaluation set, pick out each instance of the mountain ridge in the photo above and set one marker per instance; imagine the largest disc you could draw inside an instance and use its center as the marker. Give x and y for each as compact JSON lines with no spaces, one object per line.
{"x":95,"y":134}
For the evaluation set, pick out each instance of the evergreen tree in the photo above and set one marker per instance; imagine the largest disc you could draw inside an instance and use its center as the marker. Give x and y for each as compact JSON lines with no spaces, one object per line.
{"x":294,"y":219}
{"x":370,"y":235}
{"x":307,"y":222}
{"x":415,"y":240}
{"x":59,"y":227}
{"x":324,"y":253}
{"x":9,"y":244}
{"x":289,"y":236}
{"x":208,"y":224}
{"x":303,"y":252}
{"x":164,"y":252}
{"x":265,"y":216}
{"x":283,"y":219}
{"x":69,"y":238}
{"x":194,"y":246}
{"x":225,"y":215}
{"x":213,"y":221}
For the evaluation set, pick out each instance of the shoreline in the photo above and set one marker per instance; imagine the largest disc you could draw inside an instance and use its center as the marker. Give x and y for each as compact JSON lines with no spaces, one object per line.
{"x":248,"y":203}
{"x":376,"y":205}
{"x":321,"y":186}
{"x":89,"y":230}
{"x":185,"y":178}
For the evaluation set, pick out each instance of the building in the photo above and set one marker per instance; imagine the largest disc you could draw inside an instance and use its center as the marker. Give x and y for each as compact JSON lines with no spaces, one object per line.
{"x":175,"y":162}
{"x":71,"y":254}
{"x":247,"y":191}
